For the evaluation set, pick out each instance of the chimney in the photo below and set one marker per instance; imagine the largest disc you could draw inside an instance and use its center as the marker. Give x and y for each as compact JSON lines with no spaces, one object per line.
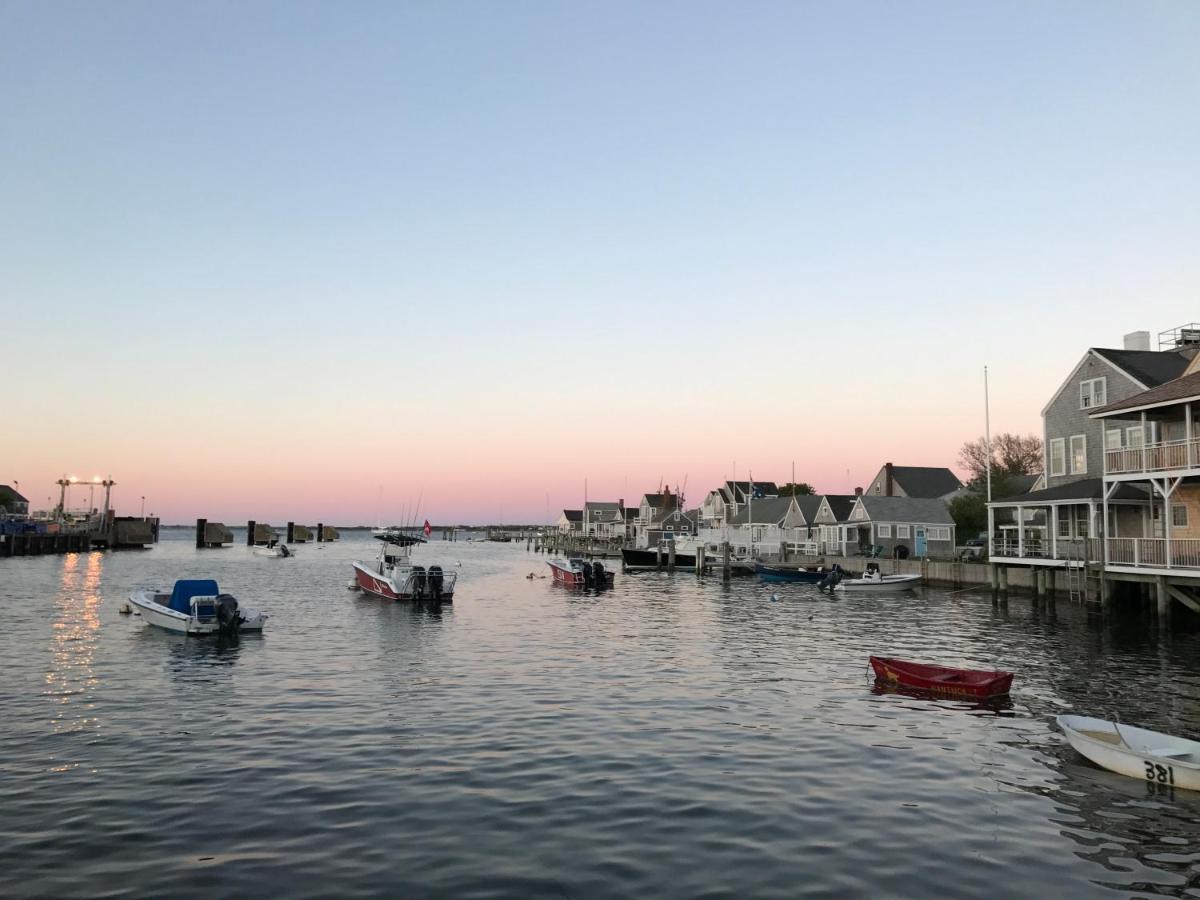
{"x":1137,"y":340}
{"x":887,"y":479}
{"x":858,"y":492}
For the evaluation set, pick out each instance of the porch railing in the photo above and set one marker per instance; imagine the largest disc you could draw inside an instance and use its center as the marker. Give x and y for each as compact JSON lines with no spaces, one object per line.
{"x":1161,"y":457}
{"x":1034,"y":548}
{"x":1154,"y":553}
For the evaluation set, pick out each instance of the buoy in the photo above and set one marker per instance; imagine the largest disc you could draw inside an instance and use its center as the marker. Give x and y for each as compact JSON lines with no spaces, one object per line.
{"x":126,"y":609}
{"x":774,"y":598}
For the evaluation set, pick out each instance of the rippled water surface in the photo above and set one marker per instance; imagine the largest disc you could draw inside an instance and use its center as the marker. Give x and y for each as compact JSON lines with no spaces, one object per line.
{"x":665,"y":738}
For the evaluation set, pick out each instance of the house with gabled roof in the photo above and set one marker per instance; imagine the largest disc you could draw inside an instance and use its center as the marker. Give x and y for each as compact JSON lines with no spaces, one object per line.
{"x":919,"y":527}
{"x":914,"y":481}
{"x":604,"y":520}
{"x":1048,"y":526}
{"x":725,"y":501}
{"x":571,"y":521}
{"x":835,"y":534}
{"x":12,"y":503}
{"x":774,"y":526}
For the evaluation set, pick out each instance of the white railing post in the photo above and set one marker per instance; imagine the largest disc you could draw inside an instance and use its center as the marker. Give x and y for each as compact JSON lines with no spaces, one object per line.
{"x":1136,"y":541}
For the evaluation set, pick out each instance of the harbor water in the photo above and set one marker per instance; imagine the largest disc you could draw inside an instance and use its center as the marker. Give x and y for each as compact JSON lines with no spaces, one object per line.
{"x":665,"y":738}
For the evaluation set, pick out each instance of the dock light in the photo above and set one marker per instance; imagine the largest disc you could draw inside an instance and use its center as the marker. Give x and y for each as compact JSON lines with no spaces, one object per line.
{"x":73,"y":479}
{"x":96,"y":479}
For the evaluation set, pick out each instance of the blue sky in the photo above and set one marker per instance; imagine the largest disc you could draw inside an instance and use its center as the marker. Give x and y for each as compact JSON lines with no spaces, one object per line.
{"x":817,"y":208}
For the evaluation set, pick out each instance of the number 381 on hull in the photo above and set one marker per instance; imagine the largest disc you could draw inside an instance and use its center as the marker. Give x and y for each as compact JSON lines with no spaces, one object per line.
{"x":1137,"y":752}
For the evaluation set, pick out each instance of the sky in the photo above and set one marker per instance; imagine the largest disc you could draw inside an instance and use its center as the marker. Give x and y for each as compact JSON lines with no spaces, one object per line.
{"x":312,"y":261}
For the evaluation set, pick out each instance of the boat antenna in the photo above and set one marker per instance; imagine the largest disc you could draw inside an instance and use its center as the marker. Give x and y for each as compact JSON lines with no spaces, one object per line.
{"x":420,"y":494}
{"x":987,"y":435}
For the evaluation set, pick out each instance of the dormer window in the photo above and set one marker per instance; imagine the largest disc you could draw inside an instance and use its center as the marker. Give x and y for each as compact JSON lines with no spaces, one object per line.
{"x":1092,"y":393}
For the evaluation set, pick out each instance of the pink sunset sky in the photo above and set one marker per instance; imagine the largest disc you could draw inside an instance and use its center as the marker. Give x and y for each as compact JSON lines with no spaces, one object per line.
{"x":292,"y":264}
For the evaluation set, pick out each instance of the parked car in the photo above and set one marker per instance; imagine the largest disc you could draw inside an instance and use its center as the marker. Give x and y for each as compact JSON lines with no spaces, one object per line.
{"x":974,"y":549}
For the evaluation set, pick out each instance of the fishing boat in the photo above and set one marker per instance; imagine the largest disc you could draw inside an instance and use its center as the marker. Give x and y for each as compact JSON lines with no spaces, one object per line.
{"x":642,"y":560}
{"x":873,"y":581}
{"x":275,"y":551}
{"x":1137,"y":752}
{"x":975,"y":683}
{"x":393,"y":576}
{"x":802,"y":574}
{"x":195,"y":606}
{"x":580,"y":573}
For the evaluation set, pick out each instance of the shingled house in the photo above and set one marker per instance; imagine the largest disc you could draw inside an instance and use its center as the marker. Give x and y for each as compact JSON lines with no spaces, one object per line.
{"x":914,"y":481}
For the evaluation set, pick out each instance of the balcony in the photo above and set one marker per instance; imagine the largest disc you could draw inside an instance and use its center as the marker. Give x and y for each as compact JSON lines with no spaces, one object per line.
{"x":1166,"y":456}
{"x":1063,"y":550}
{"x":1154,"y":553}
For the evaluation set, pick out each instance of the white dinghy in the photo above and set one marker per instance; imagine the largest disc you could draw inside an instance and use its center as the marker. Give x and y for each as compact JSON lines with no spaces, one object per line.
{"x":195,"y":606}
{"x":873,"y":581}
{"x":1136,"y":752}
{"x":275,"y":551}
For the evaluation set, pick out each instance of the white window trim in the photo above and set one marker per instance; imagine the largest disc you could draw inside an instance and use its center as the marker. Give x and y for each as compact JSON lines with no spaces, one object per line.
{"x":1083,"y":442}
{"x":1175,"y":507}
{"x":883,"y":531}
{"x":1134,"y":437}
{"x":903,"y":531}
{"x":1088,"y":394}
{"x":1061,"y":469}
{"x":937,"y":533}
{"x":1109,"y":443}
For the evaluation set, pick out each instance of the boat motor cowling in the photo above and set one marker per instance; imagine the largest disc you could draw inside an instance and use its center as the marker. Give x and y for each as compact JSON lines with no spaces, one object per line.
{"x":229,"y":620}
{"x":586,"y":571}
{"x":831,"y":580}
{"x":598,"y":574}
{"x":418,"y":581}
{"x":436,"y":582}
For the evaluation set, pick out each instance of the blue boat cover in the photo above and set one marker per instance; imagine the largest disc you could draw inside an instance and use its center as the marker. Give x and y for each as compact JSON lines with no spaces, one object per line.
{"x":185,"y":590}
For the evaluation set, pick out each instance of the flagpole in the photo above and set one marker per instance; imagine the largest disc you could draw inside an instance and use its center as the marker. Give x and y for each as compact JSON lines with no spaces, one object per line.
{"x":750,"y":512}
{"x":987,"y":426}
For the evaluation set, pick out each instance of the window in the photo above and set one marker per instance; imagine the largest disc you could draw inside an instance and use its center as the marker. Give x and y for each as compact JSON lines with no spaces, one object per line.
{"x":883,"y":531}
{"x":1134,"y":437}
{"x":1078,"y":454}
{"x":1091,"y":393}
{"x":875,"y":489}
{"x":1064,"y":526}
{"x":937,"y":533}
{"x":1112,"y":439}
{"x":1179,"y":516}
{"x":902,"y":531}
{"x":1058,"y":456}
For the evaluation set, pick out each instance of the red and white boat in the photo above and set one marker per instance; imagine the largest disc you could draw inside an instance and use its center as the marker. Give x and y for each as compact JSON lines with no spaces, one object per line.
{"x":977,"y":683}
{"x":580,"y":573}
{"x":393,"y":576}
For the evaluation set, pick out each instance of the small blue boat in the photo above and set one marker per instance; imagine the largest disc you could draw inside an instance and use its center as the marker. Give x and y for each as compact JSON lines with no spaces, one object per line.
{"x":812,"y":575}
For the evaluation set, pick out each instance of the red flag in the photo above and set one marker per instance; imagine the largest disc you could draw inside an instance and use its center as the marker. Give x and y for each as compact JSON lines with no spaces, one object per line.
{"x":428,"y":528}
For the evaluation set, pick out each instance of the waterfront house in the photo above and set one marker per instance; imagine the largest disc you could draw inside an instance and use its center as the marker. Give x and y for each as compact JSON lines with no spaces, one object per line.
{"x":12,"y":503}
{"x":1160,"y":536}
{"x":571,"y":521}
{"x":673,"y":523}
{"x":604,"y":520}
{"x":1047,"y":527}
{"x":902,"y":527}
{"x":914,"y":481}
{"x":651,"y":511}
{"x":631,"y":522}
{"x":836,"y":535}
{"x":725,"y":501}
{"x":773,"y":527}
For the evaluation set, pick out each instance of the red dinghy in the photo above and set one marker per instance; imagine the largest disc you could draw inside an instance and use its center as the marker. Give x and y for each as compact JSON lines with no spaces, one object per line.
{"x":942,"y":679}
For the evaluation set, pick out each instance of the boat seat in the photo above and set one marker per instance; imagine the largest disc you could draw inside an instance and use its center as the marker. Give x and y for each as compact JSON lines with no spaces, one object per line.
{"x":1169,"y":754}
{"x":947,"y":676}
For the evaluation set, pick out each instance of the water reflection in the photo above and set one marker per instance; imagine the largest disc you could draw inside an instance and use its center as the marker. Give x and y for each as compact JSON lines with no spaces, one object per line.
{"x":71,"y":679}
{"x":997,"y":706}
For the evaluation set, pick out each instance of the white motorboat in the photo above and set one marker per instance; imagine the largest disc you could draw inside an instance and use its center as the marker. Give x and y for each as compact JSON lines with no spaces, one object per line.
{"x":394,"y":577}
{"x":873,"y":581}
{"x":195,"y":606}
{"x":1136,"y":752}
{"x":275,"y":551}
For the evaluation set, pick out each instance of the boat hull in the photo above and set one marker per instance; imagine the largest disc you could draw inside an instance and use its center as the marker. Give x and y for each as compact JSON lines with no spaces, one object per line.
{"x":945,"y":680}
{"x":378,"y":585}
{"x":1135,"y":752}
{"x":781,"y":574}
{"x":154,"y":613}
{"x":888,"y":585}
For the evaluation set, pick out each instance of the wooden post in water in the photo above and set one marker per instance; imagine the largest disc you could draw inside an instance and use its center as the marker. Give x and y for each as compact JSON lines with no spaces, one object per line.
{"x":725,"y":562}
{"x":658,"y":557}
{"x":670,"y":556}
{"x":291,"y":532}
{"x":320,"y":532}
{"x":700,"y":561}
{"x":201,"y":528}
{"x":250,"y":533}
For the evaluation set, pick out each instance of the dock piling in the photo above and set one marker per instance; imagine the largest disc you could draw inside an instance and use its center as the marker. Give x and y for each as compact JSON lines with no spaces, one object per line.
{"x":250,"y":533}
{"x":320,"y":532}
{"x":291,"y":532}
{"x":201,"y":526}
{"x":670,"y":556}
{"x":725,"y":573}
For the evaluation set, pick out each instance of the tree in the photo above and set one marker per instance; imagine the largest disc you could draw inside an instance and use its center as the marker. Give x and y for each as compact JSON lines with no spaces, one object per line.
{"x":1012,"y":454}
{"x":969,"y":512}
{"x":803,"y":489}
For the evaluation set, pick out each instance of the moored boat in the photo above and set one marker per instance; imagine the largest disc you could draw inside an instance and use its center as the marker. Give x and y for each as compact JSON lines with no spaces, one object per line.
{"x":976,"y":683}
{"x":634,"y":559}
{"x":195,"y":606}
{"x":275,"y":551}
{"x":872,"y":581}
{"x":580,"y":573}
{"x":393,"y":576}
{"x":803,"y":574}
{"x":1137,"y":752}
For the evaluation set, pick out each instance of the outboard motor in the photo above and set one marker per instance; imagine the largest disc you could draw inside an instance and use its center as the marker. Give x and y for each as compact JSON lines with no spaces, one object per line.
{"x":436,"y":580}
{"x":586,"y":571}
{"x":284,"y":551}
{"x":229,"y":620}
{"x":598,"y":575}
{"x":831,"y":580}
{"x":418,"y":581}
